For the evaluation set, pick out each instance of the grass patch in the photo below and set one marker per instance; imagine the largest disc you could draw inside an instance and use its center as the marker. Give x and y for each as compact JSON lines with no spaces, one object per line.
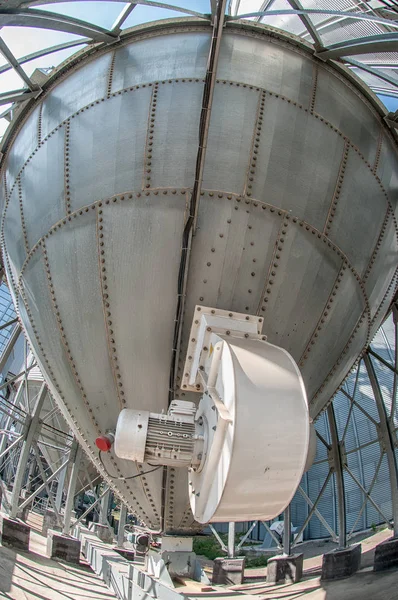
{"x":208,"y":546}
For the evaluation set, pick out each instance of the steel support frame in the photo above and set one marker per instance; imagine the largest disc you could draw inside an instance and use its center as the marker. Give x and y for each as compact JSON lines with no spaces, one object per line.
{"x":387,"y":438}
{"x":30,"y":434}
{"x":75,"y":460}
{"x":338,"y":466}
{"x":122,"y":525}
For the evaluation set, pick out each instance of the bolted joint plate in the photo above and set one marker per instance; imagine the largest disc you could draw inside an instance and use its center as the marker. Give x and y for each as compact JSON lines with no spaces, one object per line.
{"x":207,"y":322}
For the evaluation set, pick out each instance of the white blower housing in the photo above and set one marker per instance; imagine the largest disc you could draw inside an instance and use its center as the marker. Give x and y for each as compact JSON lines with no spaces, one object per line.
{"x":247,"y":444}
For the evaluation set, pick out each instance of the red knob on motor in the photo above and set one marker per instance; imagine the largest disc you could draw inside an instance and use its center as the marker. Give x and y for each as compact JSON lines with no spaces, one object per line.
{"x":104,"y":443}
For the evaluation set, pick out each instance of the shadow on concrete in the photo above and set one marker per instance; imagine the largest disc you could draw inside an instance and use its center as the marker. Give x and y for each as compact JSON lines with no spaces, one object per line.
{"x":7,"y":565}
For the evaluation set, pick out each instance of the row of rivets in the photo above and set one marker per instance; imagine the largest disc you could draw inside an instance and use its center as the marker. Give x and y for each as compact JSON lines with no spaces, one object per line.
{"x":337,"y":191}
{"x":67,"y":168}
{"x":39,"y":122}
{"x":387,"y":296}
{"x":110,"y":334}
{"x":275,"y":261}
{"x":324,"y":317}
{"x":314,"y":88}
{"x":25,"y":235}
{"x":110,"y":75}
{"x":255,"y":146}
{"x":378,"y":244}
{"x":63,"y":337}
{"x":147,"y":491}
{"x":341,"y":358}
{"x":378,"y":152}
{"x":149,"y":141}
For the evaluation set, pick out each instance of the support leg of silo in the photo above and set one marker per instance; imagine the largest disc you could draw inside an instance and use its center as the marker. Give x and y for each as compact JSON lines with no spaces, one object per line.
{"x":386,"y":553}
{"x":343,"y":561}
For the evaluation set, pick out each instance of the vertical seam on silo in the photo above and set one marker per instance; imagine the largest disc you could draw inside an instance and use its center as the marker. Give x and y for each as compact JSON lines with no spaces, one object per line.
{"x":110,"y":75}
{"x":378,"y":152}
{"x":337,"y":190}
{"x":146,"y":175}
{"x":254,"y":148}
{"x":275,"y":256}
{"x":378,"y":244}
{"x":314,"y":88}
{"x":25,"y":236}
{"x":39,"y":123}
{"x":106,"y":304}
{"x":67,"y":168}
{"x":323,"y":318}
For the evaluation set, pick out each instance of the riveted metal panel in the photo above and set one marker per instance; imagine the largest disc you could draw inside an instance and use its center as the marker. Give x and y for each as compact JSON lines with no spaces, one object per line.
{"x":177,"y":55}
{"x":172,"y":147}
{"x":143,"y":322}
{"x":110,"y":150}
{"x":22,"y":147}
{"x":35,"y":285}
{"x":82,"y":311}
{"x":42,"y":185}
{"x":108,"y":159}
{"x":83,"y":86}
{"x":231,"y":254}
{"x":361,"y":208}
{"x":387,"y":168}
{"x":266,"y":64}
{"x":290,"y":307}
{"x":348,"y":354}
{"x":13,"y":234}
{"x":341,"y":105}
{"x":340,"y":320}
{"x":298,"y":161}
{"x":383,"y":267}
{"x":230,"y":137}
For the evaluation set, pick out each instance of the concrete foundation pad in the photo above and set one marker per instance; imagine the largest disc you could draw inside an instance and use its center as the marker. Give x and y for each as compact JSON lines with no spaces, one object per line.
{"x":49,"y":522}
{"x":228,"y":571}
{"x":386,"y":555}
{"x":102,"y":532}
{"x":14,"y":533}
{"x":63,"y":547}
{"x":285,"y":568}
{"x":341,"y":563}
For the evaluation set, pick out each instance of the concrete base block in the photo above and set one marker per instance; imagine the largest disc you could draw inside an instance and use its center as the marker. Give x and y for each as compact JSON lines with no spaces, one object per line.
{"x":14,"y":533}
{"x":102,"y":532}
{"x":50,"y":522}
{"x":386,"y":555}
{"x":285,"y":568}
{"x":341,"y":563}
{"x":62,"y":547}
{"x":228,"y":571}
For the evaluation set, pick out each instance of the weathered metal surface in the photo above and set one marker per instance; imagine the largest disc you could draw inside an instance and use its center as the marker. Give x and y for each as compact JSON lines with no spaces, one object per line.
{"x":295,"y":223}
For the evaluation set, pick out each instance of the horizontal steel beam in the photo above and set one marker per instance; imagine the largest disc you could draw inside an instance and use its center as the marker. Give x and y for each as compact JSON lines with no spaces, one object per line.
{"x":55,"y":22}
{"x":385,"y":42}
{"x":151,"y":3}
{"x":17,"y":96}
{"x":356,"y":16}
{"x":46,"y":52}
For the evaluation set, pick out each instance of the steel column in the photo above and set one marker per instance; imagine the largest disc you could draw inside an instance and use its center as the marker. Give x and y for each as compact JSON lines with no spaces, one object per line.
{"x":122,"y":525}
{"x":287,"y":545}
{"x":387,"y":439}
{"x":338,"y":473}
{"x":23,"y":457}
{"x":75,"y":459}
{"x":103,"y":517}
{"x":231,"y":539}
